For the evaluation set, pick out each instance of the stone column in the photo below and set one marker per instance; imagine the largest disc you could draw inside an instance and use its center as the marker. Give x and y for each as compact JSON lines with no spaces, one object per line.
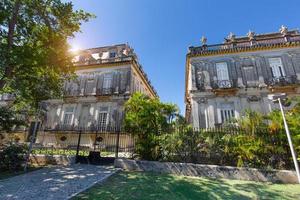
{"x":211,"y":108}
{"x":192,"y":78}
{"x":195,"y":113}
{"x":202,"y":112}
{"x":237,"y":107}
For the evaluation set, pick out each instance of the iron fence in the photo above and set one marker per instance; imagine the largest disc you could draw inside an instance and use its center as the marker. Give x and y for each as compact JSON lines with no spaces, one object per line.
{"x":105,"y":141}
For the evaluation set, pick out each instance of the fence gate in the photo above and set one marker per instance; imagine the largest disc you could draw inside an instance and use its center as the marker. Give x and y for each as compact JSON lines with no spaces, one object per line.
{"x":103,"y":145}
{"x":94,"y":146}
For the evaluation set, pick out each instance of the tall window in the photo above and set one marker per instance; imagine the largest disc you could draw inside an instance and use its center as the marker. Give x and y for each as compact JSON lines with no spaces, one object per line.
{"x":107,"y":81}
{"x":68,"y":116}
{"x":276,"y":67}
{"x":90,"y":85}
{"x":222,"y":71}
{"x":103,"y":117}
{"x":249,"y":75}
{"x":226,"y":112}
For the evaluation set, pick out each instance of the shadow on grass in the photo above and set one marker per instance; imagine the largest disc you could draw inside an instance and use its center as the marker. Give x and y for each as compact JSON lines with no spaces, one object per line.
{"x":135,"y":185}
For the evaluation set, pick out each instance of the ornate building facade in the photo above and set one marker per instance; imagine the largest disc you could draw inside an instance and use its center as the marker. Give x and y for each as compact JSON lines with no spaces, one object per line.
{"x":222,"y":80}
{"x":94,"y":101}
{"x":106,"y":78}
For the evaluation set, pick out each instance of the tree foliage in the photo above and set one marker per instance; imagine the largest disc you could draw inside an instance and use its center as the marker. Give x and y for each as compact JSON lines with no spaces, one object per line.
{"x":148,"y":119}
{"x":9,"y":119}
{"x":34,"y":55}
{"x":254,"y":140}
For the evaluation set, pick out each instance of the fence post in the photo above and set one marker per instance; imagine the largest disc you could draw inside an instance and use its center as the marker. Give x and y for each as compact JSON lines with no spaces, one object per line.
{"x":78,"y":145}
{"x":117,"y":143}
{"x":95,"y":140}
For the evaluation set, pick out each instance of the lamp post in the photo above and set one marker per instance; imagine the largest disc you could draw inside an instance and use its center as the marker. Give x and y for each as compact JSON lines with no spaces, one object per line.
{"x":278,"y":98}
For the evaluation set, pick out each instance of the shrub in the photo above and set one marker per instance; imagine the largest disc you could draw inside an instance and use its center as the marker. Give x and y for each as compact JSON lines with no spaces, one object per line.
{"x":12,"y":157}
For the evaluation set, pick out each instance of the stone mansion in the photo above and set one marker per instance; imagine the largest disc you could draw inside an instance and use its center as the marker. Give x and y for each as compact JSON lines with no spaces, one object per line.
{"x":222,"y":80}
{"x":106,"y":78}
{"x":94,"y":101}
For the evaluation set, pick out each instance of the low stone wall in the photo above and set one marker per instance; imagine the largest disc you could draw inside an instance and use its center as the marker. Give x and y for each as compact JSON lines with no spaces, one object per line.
{"x":210,"y":171}
{"x":41,"y":160}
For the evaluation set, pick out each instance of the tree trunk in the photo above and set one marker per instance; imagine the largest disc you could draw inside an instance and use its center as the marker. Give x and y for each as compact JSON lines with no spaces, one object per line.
{"x":10,"y":40}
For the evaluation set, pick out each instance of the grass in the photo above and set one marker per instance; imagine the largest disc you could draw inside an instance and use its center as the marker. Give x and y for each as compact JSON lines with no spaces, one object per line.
{"x":148,"y":186}
{"x":9,"y":174}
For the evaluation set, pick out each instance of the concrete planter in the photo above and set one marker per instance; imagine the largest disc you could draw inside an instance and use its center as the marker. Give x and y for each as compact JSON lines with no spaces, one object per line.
{"x":210,"y":171}
{"x":41,"y":160}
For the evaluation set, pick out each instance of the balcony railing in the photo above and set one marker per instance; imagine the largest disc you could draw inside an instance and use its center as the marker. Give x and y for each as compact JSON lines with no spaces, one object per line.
{"x":94,"y":127}
{"x":99,"y":61}
{"x":224,"y":84}
{"x":241,"y":45}
{"x":105,"y":91}
{"x":282,"y":81}
{"x":99,"y":92}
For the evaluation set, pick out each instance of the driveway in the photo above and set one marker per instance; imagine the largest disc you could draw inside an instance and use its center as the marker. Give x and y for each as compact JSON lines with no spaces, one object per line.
{"x":57,"y":182}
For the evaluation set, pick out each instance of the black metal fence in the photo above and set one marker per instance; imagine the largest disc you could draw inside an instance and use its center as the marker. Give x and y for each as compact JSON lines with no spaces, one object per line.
{"x":106,"y":141}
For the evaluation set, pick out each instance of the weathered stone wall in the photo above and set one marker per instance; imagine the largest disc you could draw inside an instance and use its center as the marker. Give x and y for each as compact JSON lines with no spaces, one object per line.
{"x":42,"y":160}
{"x":210,"y":171}
{"x":250,"y":74}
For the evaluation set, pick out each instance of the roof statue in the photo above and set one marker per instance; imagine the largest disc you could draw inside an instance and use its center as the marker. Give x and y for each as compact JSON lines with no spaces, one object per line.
{"x":203,"y":40}
{"x":283,"y":30}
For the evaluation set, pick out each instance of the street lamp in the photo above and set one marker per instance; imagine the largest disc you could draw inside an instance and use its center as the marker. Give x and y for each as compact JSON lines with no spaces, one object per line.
{"x":278,"y":98}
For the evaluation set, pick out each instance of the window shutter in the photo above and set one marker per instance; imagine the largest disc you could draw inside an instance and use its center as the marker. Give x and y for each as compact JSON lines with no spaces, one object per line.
{"x":115,"y":117}
{"x":114,"y":81}
{"x":222,"y":71}
{"x":276,"y":67}
{"x":82,"y":84}
{"x":128,"y":79}
{"x":90,"y":85}
{"x":100,"y":83}
{"x":123,"y":81}
{"x":249,"y":73}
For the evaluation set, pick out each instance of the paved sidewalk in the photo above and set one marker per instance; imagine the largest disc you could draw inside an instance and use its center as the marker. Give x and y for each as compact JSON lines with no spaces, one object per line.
{"x":53,"y":182}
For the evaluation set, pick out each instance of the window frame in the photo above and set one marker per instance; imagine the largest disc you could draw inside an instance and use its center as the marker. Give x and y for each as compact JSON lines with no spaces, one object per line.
{"x":107,"y":81}
{"x":100,"y":112}
{"x":70,"y":115}
{"x":280,"y":71}
{"x":220,"y":76}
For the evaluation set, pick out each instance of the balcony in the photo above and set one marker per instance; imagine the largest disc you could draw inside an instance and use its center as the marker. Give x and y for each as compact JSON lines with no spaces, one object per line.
{"x":286,"y":84}
{"x":282,"y":81}
{"x":224,"y":84}
{"x":224,"y":87}
{"x":105,"y":91}
{"x":91,"y":61}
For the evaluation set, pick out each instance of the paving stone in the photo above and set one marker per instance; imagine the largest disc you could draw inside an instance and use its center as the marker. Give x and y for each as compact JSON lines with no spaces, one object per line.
{"x":58,"y":182}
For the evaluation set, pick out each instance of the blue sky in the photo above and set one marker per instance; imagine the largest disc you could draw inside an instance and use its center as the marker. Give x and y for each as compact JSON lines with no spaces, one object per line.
{"x":160,"y":31}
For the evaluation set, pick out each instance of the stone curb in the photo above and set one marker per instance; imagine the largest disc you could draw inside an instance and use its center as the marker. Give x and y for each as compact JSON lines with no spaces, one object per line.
{"x":209,"y":171}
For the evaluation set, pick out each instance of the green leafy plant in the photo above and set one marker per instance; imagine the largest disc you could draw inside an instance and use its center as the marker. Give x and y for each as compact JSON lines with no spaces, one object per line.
{"x":147,"y":119}
{"x":12,"y":157}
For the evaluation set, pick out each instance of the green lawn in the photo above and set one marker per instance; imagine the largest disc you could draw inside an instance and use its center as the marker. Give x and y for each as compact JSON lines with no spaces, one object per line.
{"x":136,"y":185}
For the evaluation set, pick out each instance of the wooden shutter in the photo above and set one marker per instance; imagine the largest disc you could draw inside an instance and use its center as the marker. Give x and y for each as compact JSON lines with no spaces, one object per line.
{"x":100,"y":83}
{"x":249,"y":73}
{"x":276,"y":67}
{"x":222,"y":71}
{"x":82,"y":84}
